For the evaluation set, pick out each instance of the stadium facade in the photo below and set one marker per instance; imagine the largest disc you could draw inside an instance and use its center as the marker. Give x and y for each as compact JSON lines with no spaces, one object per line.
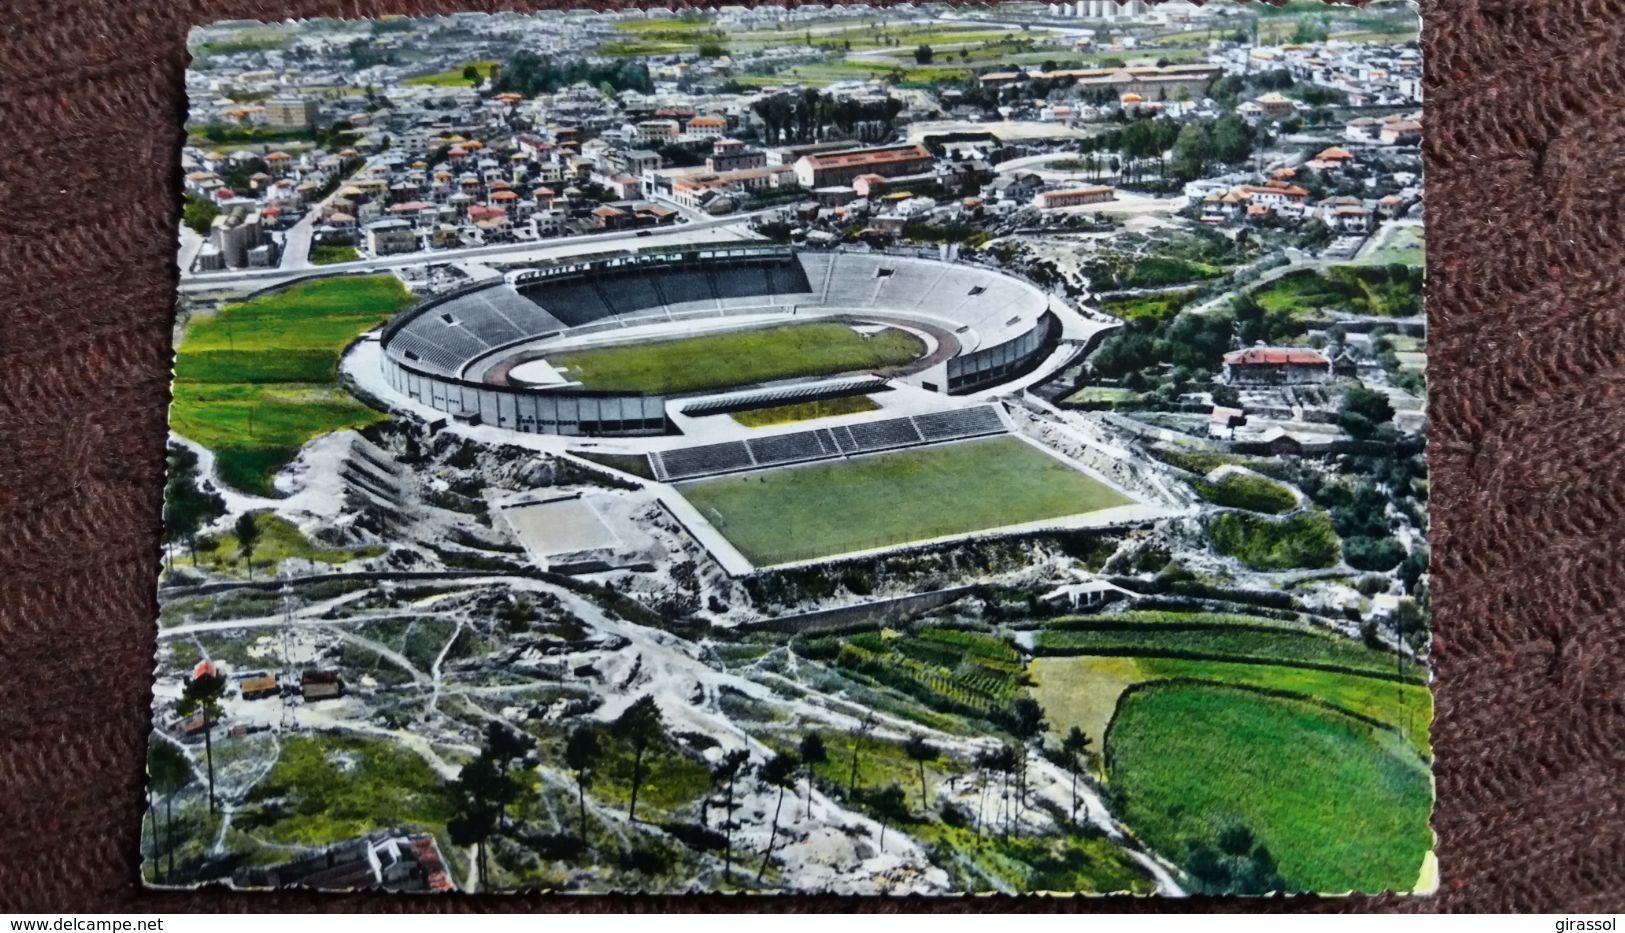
{"x":454,"y":352}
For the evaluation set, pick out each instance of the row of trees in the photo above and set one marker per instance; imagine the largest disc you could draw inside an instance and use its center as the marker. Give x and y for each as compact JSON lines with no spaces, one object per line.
{"x":170,"y":771}
{"x":484,"y":792}
{"x":810,"y":114}
{"x":1193,"y":146}
{"x":530,"y":74}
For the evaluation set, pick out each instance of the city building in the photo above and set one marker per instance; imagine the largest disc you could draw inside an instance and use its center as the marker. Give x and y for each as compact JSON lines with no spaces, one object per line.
{"x":1073,"y":197}
{"x":729,"y":155}
{"x":291,"y":113}
{"x":234,"y":233}
{"x":1261,"y":365}
{"x":843,"y":167}
{"x":387,"y":237}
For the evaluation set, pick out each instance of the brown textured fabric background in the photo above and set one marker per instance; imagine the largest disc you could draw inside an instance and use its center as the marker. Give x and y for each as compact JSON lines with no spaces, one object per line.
{"x":1527,"y":297}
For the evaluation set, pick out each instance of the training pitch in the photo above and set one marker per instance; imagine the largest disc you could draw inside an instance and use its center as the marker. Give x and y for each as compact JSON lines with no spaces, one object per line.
{"x":713,"y":361}
{"x":823,"y":509}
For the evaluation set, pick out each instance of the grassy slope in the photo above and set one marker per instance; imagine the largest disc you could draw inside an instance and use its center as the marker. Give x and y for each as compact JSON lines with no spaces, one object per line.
{"x":710,"y":361}
{"x":279,"y":540}
{"x":332,"y":788}
{"x":830,"y":508}
{"x":1303,"y":541}
{"x":1245,"y":491}
{"x":256,"y":381}
{"x":1340,"y":805}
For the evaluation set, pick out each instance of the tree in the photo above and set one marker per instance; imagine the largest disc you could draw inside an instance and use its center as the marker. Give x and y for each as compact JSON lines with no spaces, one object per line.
{"x":248,"y":535}
{"x":813,"y":753}
{"x":859,"y":733}
{"x":922,"y":55}
{"x":725,"y":773}
{"x":986,"y":763}
{"x":1073,"y":746}
{"x":1193,"y":150}
{"x":480,"y":794}
{"x":198,"y":214}
{"x":1026,"y":722}
{"x":1004,"y":761}
{"x":640,"y":726}
{"x":1364,"y":411}
{"x":201,"y":695}
{"x":780,"y":772}
{"x":920,"y":752}
{"x":582,"y":754}
{"x":891,"y":804}
{"x":1233,"y":139}
{"x":187,"y":508}
{"x":471,"y":75}
{"x":168,"y":773}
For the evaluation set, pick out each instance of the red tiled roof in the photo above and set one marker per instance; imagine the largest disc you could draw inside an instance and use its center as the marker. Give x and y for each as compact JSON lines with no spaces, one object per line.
{"x":1274,"y":356}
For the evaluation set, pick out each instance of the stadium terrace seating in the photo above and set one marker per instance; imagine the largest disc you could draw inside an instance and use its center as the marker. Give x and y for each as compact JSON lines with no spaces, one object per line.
{"x":683,"y":286}
{"x":969,"y":422}
{"x":788,"y":448}
{"x":734,"y":282}
{"x":788,"y":279}
{"x":879,"y":435}
{"x":573,"y":301}
{"x":485,"y":321}
{"x":826,"y":443}
{"x":701,"y":461}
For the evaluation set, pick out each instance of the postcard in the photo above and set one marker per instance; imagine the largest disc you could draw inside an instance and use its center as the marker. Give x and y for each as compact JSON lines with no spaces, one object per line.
{"x":923,"y":450}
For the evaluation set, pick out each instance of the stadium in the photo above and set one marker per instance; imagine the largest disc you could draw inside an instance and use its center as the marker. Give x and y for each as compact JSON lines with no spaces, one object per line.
{"x":471,"y":353}
{"x":660,"y":356}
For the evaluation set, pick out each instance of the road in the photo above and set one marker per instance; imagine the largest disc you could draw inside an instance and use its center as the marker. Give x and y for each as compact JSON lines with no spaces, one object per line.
{"x":296,"y":242}
{"x":727,"y":228}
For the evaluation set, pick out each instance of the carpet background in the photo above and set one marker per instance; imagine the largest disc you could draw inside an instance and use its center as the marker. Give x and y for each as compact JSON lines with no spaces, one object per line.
{"x":1525,"y":126}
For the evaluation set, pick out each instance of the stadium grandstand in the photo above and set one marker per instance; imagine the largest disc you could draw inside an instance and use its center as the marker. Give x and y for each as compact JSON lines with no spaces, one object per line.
{"x":826,"y":443}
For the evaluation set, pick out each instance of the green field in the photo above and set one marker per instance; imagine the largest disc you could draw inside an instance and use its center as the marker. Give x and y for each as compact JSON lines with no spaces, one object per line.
{"x":714,"y":361}
{"x":821,"y":509}
{"x":1340,"y":805}
{"x":1395,"y":244}
{"x":1392,"y":290}
{"x":1082,"y":691}
{"x":327,"y":254}
{"x":1259,"y":643}
{"x":453,"y":76}
{"x":1159,"y":305}
{"x":254,"y":382}
{"x":805,"y":411}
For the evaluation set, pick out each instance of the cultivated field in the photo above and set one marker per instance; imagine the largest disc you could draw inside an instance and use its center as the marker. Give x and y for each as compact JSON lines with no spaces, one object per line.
{"x":821,"y":509}
{"x":715,"y":361}
{"x":254,"y":382}
{"x":1340,"y":805}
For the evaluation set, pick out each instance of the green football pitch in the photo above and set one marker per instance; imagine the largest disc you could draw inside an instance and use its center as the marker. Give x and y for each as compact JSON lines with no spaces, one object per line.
{"x":822,"y":509}
{"x":742,"y":357}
